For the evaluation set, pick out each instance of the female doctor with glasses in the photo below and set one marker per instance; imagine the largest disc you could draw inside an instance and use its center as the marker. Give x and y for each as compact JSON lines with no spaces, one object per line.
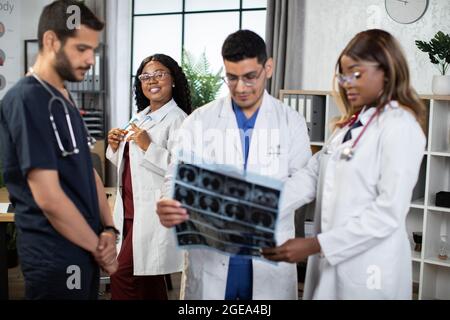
{"x":363,"y":180}
{"x":140,"y":151}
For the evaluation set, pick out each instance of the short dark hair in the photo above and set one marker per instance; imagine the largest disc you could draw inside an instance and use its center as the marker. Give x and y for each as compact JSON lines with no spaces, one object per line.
{"x":181,"y":93}
{"x":244,"y":44}
{"x":54,"y":17}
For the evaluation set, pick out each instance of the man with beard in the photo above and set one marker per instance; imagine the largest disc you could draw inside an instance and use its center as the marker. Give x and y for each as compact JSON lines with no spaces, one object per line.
{"x":65,"y":228}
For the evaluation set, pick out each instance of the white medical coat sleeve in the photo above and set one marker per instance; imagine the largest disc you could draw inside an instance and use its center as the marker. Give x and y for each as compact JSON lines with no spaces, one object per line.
{"x":112,"y":156}
{"x":301,"y":187}
{"x":157,"y":157}
{"x":402,"y":147}
{"x":183,"y":140}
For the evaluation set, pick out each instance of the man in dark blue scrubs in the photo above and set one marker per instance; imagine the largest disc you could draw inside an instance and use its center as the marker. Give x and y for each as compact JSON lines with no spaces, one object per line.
{"x":65,"y":228}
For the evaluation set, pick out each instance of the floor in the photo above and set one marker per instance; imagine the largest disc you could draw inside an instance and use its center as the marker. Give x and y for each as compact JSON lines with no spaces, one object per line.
{"x":17,"y":287}
{"x":17,"y":290}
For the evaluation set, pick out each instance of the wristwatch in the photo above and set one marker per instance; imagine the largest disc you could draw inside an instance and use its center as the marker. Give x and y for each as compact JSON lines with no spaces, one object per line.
{"x":112,"y":229}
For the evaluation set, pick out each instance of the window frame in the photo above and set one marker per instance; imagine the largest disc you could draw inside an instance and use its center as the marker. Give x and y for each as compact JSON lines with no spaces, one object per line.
{"x":183,"y":14}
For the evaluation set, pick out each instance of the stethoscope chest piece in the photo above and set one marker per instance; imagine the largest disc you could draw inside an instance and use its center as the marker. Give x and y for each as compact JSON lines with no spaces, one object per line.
{"x":66,"y":153}
{"x":347,"y":154}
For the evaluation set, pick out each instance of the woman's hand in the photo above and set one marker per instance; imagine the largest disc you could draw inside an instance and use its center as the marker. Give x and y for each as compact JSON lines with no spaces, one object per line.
{"x":293,"y":250}
{"x":115,"y":136}
{"x":140,"y":137}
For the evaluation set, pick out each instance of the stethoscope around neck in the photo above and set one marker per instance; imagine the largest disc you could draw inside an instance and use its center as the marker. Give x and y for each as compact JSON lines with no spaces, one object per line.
{"x":349,"y":152}
{"x":55,"y":99}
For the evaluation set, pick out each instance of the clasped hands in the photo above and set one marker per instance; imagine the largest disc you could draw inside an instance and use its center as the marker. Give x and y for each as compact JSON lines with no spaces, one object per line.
{"x":105,"y":253}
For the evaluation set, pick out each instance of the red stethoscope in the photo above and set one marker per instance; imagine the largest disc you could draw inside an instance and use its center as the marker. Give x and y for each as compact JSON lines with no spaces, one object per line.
{"x":349,"y":152}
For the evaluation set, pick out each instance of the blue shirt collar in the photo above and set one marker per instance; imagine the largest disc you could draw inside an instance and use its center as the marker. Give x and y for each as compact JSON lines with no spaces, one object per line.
{"x":244,"y":123}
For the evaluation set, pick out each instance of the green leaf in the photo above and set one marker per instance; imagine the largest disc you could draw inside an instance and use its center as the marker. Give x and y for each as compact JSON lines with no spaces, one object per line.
{"x":438,"y":49}
{"x":204,"y":84}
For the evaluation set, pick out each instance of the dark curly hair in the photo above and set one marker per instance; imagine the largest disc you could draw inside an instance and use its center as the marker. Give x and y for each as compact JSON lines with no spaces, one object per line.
{"x":180,"y":93}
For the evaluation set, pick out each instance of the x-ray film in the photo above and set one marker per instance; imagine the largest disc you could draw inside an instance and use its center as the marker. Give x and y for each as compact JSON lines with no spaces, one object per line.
{"x":229,"y":211}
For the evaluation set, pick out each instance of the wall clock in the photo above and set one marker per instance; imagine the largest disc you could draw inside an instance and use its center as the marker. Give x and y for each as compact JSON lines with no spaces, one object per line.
{"x":406,"y":11}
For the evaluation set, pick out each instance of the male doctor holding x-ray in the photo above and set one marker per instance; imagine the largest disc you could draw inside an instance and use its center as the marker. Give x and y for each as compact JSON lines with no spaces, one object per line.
{"x":249,"y":130}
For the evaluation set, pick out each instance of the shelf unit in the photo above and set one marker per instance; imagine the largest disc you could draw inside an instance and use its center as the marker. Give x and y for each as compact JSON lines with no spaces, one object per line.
{"x":90,"y":96}
{"x":431,"y":275}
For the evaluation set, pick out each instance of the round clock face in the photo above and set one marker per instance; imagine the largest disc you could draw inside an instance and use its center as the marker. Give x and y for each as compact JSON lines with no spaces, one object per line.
{"x":406,"y":11}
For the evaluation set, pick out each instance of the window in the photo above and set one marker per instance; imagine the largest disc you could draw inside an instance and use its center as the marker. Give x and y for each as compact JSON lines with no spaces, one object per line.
{"x":197,"y":25}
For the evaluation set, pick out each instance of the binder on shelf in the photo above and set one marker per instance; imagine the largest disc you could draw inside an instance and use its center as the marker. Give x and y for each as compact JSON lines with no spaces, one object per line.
{"x":308,"y":102}
{"x":301,"y":105}
{"x":84,"y":83}
{"x":71,"y":86}
{"x":90,"y":79}
{"x":286,"y":99}
{"x":317,"y":118}
{"x":97,"y":75}
{"x":293,"y":101}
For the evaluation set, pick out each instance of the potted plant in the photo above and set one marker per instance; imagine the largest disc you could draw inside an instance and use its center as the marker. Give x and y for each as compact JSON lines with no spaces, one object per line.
{"x":204,"y":84}
{"x":438,"y":50}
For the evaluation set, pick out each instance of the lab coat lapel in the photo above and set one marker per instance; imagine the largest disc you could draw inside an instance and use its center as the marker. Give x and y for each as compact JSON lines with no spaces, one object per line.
{"x":230,"y":128}
{"x":364,"y":118}
{"x":262,"y":136}
{"x":157,"y":116}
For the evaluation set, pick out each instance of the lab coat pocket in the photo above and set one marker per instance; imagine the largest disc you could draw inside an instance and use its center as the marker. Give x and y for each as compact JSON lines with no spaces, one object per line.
{"x":275,"y":162}
{"x":355,"y":271}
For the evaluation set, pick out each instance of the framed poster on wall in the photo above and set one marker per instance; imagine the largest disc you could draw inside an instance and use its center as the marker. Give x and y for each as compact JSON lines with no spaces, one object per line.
{"x":31,"y":49}
{"x":10,"y":43}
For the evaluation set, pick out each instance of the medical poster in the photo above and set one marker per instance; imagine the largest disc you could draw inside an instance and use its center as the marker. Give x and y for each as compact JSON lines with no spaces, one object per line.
{"x":10,"y":45}
{"x":233,"y":213}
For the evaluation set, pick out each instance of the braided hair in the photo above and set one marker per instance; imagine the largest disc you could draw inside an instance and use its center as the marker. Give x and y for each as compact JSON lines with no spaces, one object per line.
{"x":180,"y":92}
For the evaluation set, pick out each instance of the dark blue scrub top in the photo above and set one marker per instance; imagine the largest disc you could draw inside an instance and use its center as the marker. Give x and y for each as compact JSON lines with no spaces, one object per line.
{"x":27,"y":142}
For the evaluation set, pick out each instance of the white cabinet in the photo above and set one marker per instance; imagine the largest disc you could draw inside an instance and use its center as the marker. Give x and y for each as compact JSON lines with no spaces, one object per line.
{"x":431,"y":275}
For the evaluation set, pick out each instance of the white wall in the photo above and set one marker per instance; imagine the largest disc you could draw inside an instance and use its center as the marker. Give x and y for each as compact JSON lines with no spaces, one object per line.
{"x":30,"y":13}
{"x":330,"y":24}
{"x":10,"y":44}
{"x":31,"y":10}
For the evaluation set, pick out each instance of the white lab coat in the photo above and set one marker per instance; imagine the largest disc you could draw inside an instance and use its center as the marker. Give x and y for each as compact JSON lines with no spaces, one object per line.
{"x":361,"y":208}
{"x":279,"y":147}
{"x":154,"y":247}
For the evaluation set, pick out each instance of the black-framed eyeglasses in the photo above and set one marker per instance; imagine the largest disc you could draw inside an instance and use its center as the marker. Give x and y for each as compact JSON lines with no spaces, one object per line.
{"x":157,"y":75}
{"x":248,"y":79}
